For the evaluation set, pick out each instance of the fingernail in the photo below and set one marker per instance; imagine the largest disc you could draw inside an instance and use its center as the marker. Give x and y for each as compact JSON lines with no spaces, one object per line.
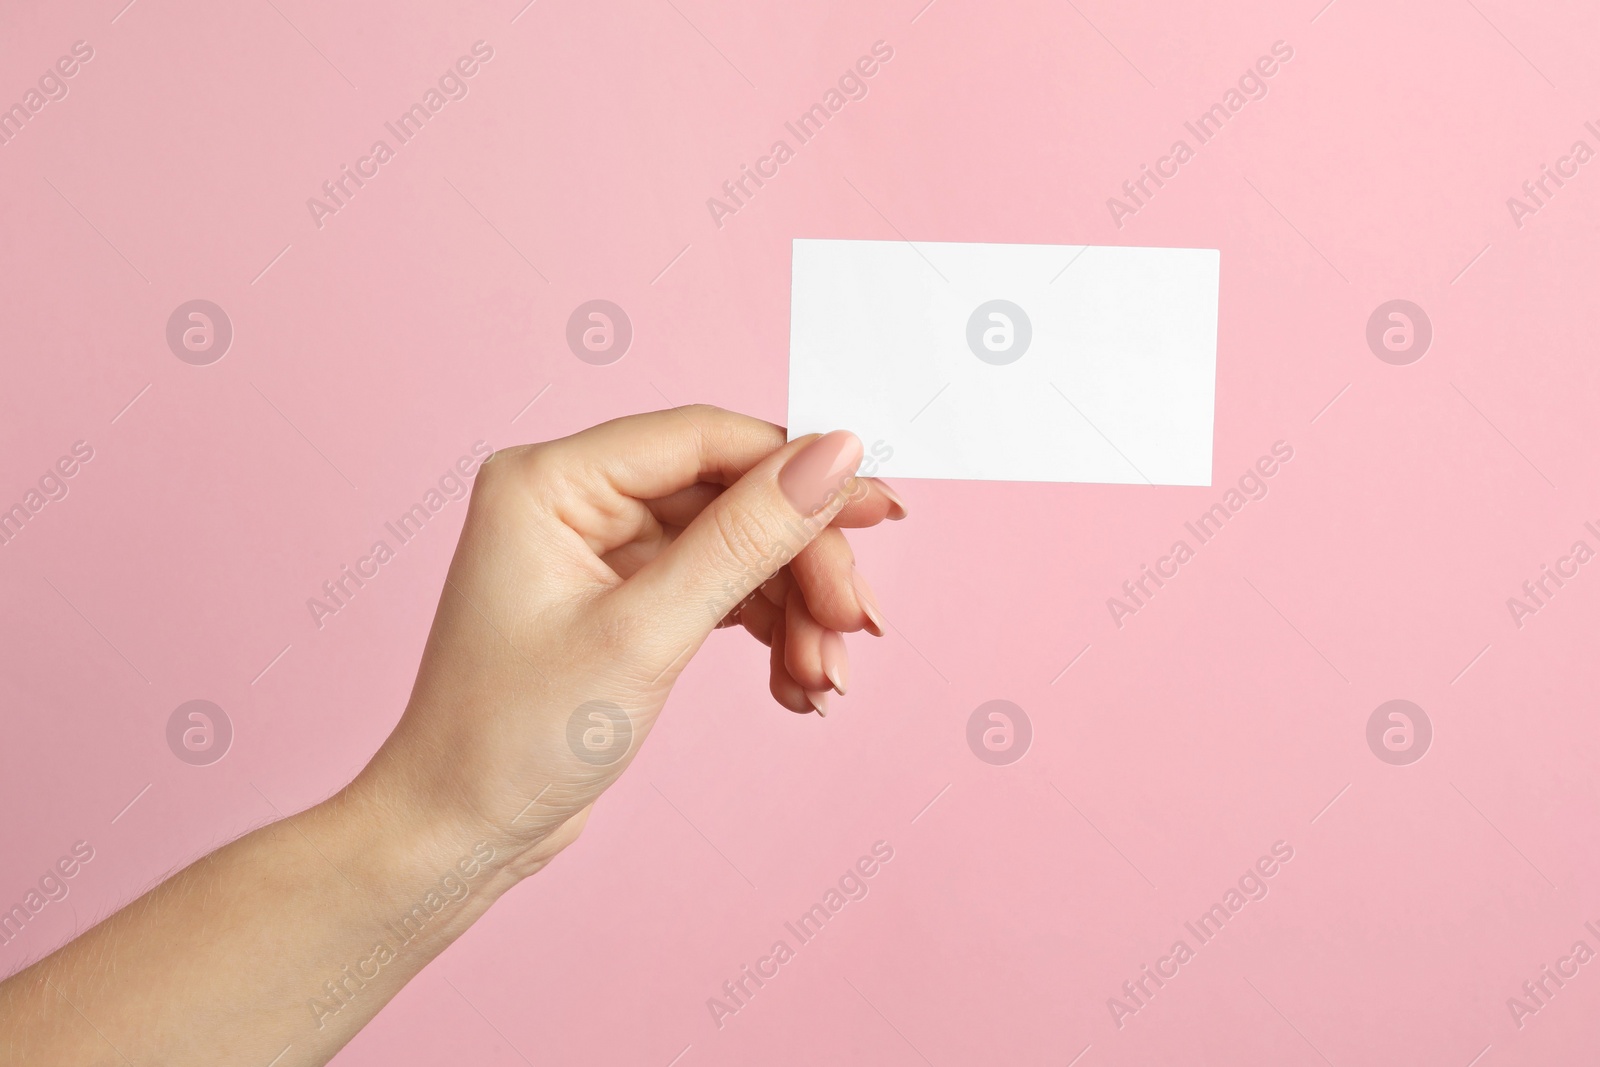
{"x":897,"y":507}
{"x":835,"y":661}
{"x":819,"y":700}
{"x":869,"y":604}
{"x":820,"y":471}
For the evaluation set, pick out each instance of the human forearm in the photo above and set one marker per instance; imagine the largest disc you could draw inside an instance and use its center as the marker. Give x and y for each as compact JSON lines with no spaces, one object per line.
{"x":589,"y":570}
{"x":293,"y":936}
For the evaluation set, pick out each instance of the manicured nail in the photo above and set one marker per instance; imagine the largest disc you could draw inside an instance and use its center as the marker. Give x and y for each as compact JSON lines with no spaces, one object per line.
{"x":819,"y":700}
{"x":835,"y":661}
{"x":869,"y":604}
{"x":820,"y":471}
{"x":897,"y":507}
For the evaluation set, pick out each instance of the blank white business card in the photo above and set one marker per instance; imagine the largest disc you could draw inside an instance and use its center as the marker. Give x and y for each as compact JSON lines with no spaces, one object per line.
{"x":1050,"y":363}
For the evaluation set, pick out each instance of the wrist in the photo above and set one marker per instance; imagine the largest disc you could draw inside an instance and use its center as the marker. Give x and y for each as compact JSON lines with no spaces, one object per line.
{"x":410,"y":858}
{"x":443,"y":816}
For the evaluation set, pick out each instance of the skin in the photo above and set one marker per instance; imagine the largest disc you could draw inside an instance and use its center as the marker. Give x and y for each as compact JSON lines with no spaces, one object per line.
{"x":590,"y":569}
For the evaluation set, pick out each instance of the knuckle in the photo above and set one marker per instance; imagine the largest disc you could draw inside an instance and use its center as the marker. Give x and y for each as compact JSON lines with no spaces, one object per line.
{"x":490,"y":473}
{"x":743,"y":539}
{"x":500,"y":462}
{"x":514,"y":476}
{"x":700,"y":411}
{"x":540,"y":464}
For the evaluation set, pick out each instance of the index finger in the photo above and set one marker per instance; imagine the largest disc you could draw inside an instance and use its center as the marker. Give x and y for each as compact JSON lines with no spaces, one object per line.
{"x":658,"y":453}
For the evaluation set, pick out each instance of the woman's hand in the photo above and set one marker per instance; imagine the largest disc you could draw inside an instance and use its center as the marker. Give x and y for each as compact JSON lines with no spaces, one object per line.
{"x":589,"y":571}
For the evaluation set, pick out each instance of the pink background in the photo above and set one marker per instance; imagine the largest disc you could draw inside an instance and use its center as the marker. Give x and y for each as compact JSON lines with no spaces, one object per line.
{"x":1223,"y":717}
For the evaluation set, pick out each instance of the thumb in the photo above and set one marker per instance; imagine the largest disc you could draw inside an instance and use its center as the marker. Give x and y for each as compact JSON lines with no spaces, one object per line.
{"x":744,"y":536}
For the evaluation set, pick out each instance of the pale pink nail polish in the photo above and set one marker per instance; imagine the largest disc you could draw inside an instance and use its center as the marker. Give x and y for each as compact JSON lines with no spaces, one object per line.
{"x":897,"y":507}
{"x":820,"y":471}
{"x":869,"y":604}
{"x":819,"y":700}
{"x":835,"y":661}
